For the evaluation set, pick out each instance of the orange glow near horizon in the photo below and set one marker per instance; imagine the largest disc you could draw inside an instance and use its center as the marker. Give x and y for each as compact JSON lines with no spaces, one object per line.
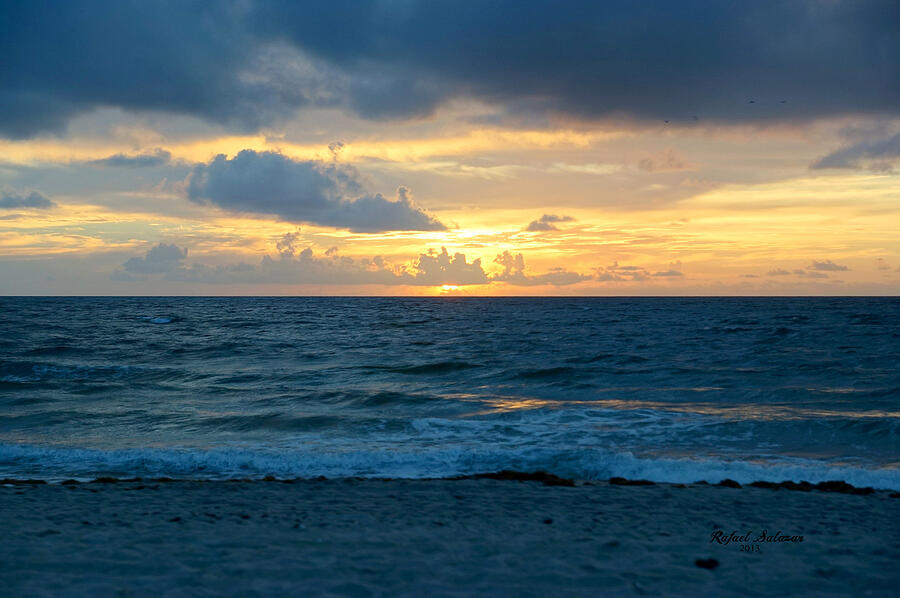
{"x":391,"y":150}
{"x":555,"y":211}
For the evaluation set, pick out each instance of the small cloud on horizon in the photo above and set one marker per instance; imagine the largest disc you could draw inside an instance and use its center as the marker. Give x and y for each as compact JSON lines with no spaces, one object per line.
{"x":778,"y":272}
{"x":545,"y":223}
{"x":827,"y":265}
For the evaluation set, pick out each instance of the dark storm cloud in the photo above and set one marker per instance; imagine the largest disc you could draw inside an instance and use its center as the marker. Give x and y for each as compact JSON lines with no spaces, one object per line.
{"x":12,"y":201}
{"x":64,"y":58}
{"x":656,"y":59}
{"x":653,"y":59}
{"x":323,"y":193}
{"x":159,"y":157}
{"x":545,"y":222}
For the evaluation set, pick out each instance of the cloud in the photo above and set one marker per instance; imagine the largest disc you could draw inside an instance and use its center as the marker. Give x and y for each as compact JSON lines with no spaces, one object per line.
{"x":827,"y":265}
{"x":674,"y":271}
{"x":292,"y":267}
{"x":435,"y":268}
{"x":667,"y":273}
{"x":595,"y":169}
{"x":667,"y":161}
{"x":158,"y":157}
{"x":287,"y":244}
{"x":34,"y":200}
{"x":296,"y":266}
{"x":617,"y":273}
{"x":545,"y":222}
{"x":810,"y":274}
{"x":884,"y":151}
{"x":816,"y":269}
{"x":170,"y":56}
{"x":249,"y":64}
{"x":323,"y":193}
{"x":431,"y":268}
{"x":158,"y":260}
{"x":654,"y":59}
{"x":514,"y":273}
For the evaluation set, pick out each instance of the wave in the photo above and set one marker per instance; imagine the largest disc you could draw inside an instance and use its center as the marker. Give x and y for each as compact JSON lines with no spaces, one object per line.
{"x":272,"y":421}
{"x":25,"y":372}
{"x":558,"y":373}
{"x":57,"y":463}
{"x":53,"y":350}
{"x":36,"y":373}
{"x":438,"y":367}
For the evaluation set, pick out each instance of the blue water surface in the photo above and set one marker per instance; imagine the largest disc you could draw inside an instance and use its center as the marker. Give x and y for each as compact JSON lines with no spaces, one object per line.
{"x":670,"y":389}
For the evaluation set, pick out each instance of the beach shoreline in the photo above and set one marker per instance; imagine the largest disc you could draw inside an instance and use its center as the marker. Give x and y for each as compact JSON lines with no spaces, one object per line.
{"x":500,"y":536}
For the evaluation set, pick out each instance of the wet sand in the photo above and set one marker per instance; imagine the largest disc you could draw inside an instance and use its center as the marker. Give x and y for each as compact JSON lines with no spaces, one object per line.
{"x":442,"y":538}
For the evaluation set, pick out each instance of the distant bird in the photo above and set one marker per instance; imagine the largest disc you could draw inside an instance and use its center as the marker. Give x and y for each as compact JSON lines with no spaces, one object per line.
{"x":752,"y":101}
{"x":667,"y":122}
{"x":782,"y":101}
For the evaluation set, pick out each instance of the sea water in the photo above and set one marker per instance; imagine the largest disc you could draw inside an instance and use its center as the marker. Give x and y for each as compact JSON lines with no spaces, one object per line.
{"x":667,"y":389}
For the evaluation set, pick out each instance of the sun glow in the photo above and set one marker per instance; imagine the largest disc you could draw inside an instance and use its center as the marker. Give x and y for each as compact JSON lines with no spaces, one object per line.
{"x":449,"y":288}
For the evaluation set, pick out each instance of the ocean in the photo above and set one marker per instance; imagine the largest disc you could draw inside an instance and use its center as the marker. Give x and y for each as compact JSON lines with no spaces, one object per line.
{"x":666,"y":389}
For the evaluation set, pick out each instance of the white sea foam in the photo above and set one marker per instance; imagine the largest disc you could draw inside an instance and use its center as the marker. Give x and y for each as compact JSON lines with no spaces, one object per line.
{"x":156,"y":319}
{"x":64,"y":462}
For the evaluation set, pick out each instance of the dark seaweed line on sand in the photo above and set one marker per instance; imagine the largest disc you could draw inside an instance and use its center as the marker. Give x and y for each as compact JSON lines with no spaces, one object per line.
{"x":547,"y":479}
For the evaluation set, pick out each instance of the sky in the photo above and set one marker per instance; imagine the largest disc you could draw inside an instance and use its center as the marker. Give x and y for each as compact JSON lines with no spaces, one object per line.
{"x":396,"y":147}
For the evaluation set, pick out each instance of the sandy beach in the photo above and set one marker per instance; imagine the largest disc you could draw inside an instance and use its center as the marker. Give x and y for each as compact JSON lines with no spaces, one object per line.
{"x":443,"y":537}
